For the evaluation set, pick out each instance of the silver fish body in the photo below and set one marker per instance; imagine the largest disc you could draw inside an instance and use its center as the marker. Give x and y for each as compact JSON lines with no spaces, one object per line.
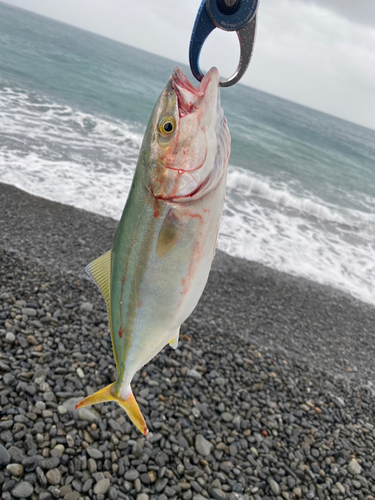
{"x":156,"y":271}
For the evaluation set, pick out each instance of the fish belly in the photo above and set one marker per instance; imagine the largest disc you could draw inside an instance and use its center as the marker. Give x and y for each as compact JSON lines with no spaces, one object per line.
{"x":172,"y":285}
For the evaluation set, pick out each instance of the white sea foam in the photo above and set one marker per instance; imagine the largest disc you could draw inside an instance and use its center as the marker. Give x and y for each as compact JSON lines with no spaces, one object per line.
{"x":299,"y":236}
{"x":249,"y":184}
{"x":79,"y":159}
{"x":65,"y":155}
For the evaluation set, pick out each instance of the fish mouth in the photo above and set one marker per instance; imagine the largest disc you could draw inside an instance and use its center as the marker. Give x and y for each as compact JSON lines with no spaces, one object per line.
{"x":188,"y":95}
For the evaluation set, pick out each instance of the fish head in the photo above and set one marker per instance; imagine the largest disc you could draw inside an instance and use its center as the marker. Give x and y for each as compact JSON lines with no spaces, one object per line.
{"x":188,"y":138}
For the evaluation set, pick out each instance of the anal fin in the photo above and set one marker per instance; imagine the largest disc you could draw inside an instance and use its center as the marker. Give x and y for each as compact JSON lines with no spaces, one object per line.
{"x":174,"y":340}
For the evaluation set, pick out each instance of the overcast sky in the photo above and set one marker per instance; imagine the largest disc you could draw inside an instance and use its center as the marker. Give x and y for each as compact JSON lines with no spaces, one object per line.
{"x":320,"y":53}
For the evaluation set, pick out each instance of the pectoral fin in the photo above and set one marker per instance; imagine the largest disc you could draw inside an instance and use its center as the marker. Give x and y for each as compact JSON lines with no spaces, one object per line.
{"x":129,"y":405}
{"x":174,"y":340}
{"x":170,"y":233}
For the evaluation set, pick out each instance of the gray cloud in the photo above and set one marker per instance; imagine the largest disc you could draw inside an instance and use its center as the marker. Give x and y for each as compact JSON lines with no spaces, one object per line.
{"x":315,"y":52}
{"x":358,"y":11}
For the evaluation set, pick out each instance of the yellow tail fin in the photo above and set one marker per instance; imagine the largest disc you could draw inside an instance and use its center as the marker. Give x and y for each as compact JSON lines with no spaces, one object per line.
{"x":129,"y":404}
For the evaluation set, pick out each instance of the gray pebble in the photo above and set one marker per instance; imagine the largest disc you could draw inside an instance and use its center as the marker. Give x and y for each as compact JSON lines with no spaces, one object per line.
{"x":72,"y":495}
{"x":131,"y":475}
{"x":113,"y":495}
{"x":227,"y":417}
{"x":194,"y":374}
{"x":53,"y":477}
{"x":354,"y":467}
{"x":203,"y":446}
{"x":10,"y":337}
{"x":23,"y":490}
{"x":88,"y":414}
{"x":44,"y":495}
{"x":49,"y":396}
{"x":49,"y":463}
{"x":87,"y":306}
{"x":143,"y":496}
{"x":87,"y":485}
{"x":102,"y":486}
{"x":94,"y":453}
{"x":4,"y":456}
{"x":218,"y":494}
{"x":15,"y":469}
{"x":161,"y":484}
{"x":274,"y":486}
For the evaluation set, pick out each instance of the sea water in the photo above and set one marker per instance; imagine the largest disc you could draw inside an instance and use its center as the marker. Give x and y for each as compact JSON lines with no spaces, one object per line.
{"x":301,"y":184}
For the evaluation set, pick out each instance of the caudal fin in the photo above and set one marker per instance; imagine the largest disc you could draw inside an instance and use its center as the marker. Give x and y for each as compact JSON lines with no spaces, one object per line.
{"x":129,"y":404}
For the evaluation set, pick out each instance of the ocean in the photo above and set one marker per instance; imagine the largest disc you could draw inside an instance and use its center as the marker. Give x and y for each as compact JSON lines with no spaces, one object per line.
{"x":301,"y":184}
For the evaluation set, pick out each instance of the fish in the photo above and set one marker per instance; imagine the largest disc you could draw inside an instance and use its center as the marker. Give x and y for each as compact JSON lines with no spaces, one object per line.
{"x":158,"y":266}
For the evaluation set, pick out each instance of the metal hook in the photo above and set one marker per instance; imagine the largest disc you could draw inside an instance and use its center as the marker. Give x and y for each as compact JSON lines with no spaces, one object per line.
{"x":228,"y":15}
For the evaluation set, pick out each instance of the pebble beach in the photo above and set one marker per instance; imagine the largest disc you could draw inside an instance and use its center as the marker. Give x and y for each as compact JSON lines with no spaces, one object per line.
{"x":270,"y":394}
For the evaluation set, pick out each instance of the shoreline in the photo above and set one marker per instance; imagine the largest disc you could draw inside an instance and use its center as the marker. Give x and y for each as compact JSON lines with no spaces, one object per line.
{"x":303,"y":311}
{"x":269,"y":394}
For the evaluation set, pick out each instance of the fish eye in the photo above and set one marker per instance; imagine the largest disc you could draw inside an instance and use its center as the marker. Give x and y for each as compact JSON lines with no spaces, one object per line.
{"x":167,"y":126}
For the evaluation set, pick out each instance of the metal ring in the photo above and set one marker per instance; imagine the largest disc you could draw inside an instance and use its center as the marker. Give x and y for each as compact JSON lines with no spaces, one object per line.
{"x":246,"y":38}
{"x":235,"y":21}
{"x":205,"y":23}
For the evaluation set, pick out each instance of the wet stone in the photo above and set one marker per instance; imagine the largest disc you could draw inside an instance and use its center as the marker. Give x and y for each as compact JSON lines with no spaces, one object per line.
{"x":9,"y":379}
{"x":218,"y":494}
{"x":53,"y":477}
{"x":15,"y":469}
{"x":94,"y":453}
{"x":354,"y":468}
{"x":88,"y":414}
{"x":4,"y":456}
{"x":137,"y":450}
{"x":61,"y":410}
{"x":227,"y":417}
{"x":274,"y":487}
{"x":161,"y":484}
{"x":16,"y":454}
{"x":49,"y":463}
{"x":23,"y":490}
{"x":194,"y":374}
{"x":72,"y":495}
{"x":41,"y":477}
{"x":87,"y":485}
{"x":87,"y":307}
{"x":91,"y":465}
{"x":131,"y":475}
{"x":49,"y":396}
{"x":44,"y":495}
{"x":10,"y":337}
{"x":29,"y":311}
{"x":143,"y":496}
{"x":203,"y":446}
{"x":8,"y":485}
{"x":102,"y":486}
{"x":113,"y":495}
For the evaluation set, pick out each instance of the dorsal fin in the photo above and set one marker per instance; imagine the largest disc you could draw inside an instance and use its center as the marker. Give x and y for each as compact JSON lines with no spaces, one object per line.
{"x":100,"y":271}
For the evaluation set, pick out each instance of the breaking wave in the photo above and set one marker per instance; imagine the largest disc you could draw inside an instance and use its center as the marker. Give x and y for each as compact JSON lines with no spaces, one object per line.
{"x":64,"y":154}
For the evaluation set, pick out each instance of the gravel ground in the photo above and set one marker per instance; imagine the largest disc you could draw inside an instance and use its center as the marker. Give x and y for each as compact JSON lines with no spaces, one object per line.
{"x":269,"y":395}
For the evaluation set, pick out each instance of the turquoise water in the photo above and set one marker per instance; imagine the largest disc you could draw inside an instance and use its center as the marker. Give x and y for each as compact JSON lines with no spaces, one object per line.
{"x":301,"y":184}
